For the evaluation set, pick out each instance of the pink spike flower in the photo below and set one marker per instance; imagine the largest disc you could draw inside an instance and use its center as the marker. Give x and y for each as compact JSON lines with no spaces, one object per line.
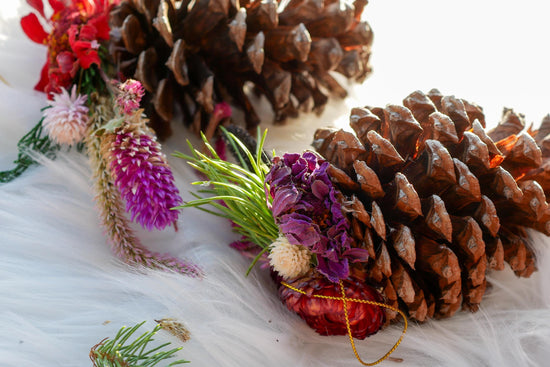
{"x":144,"y":179}
{"x":65,"y":121}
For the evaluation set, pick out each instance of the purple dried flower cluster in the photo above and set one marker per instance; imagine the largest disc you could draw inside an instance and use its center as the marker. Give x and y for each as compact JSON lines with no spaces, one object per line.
{"x":144,"y":179}
{"x":307,"y":211}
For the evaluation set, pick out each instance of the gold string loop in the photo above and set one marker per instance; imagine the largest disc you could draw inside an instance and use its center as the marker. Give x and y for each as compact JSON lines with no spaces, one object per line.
{"x":345,"y":301}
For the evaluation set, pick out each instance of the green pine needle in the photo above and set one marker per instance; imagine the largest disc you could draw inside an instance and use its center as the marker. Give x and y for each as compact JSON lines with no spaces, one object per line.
{"x":32,"y":141}
{"x":115,"y":352}
{"x":241,"y":188}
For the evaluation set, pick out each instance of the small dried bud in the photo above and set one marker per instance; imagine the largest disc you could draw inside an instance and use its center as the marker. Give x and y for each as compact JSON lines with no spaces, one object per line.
{"x":175,"y":328}
{"x":65,"y":121}
{"x":129,"y":96}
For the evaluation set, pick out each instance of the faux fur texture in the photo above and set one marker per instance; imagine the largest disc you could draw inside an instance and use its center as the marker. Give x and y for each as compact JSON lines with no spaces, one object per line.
{"x":62,"y":291}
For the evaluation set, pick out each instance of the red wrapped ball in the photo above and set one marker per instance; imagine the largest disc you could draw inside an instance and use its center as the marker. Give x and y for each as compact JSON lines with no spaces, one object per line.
{"x":326,"y":316}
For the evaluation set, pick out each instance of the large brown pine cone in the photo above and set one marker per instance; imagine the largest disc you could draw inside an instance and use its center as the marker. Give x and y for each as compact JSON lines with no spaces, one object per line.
{"x":197,"y":53}
{"x":436,"y":201}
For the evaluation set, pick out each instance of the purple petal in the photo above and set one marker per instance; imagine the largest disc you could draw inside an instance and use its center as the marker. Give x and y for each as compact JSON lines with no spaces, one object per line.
{"x":284,"y":199}
{"x":290,"y":158}
{"x":319,"y":189}
{"x":311,"y":159}
{"x":299,"y":229}
{"x":356,"y":254}
{"x":334,"y":271}
{"x":279,"y":176}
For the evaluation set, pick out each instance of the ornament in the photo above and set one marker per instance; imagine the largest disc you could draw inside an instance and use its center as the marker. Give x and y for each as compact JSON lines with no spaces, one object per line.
{"x":326,"y":316}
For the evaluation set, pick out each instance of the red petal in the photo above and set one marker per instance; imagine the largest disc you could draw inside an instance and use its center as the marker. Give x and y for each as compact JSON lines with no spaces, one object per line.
{"x":73,"y":30}
{"x":80,"y":47}
{"x":88,"y":32}
{"x":37,"y":5}
{"x":87,"y":59}
{"x":101,"y":23}
{"x":44,"y":79}
{"x":65,"y":60}
{"x":57,"y":81}
{"x":33,"y":29}
{"x":57,"y":5}
{"x":85,"y":54}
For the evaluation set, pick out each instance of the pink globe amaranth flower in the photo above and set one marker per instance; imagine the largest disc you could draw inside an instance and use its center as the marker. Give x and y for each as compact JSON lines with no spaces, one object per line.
{"x":144,"y":179}
{"x":66,"y":119}
{"x":129,"y":95}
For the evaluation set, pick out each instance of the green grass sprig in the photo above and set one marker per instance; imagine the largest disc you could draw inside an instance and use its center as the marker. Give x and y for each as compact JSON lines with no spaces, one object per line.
{"x":241,"y":188}
{"x":117,"y":353}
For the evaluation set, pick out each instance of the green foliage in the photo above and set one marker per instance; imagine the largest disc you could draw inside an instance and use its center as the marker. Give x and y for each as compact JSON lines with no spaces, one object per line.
{"x":89,"y":81}
{"x":119,"y":353}
{"x":92,"y":80}
{"x":32,"y":141}
{"x":248,"y":141}
{"x":241,"y":188}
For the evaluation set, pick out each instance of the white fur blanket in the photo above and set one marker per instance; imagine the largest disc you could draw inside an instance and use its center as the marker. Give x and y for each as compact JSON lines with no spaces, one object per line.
{"x":59,"y":282}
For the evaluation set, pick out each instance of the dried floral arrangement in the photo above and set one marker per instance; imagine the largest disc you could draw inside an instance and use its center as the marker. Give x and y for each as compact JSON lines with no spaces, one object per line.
{"x":405,"y":215}
{"x":106,"y":58}
{"x":192,"y":55}
{"x":97,"y":113}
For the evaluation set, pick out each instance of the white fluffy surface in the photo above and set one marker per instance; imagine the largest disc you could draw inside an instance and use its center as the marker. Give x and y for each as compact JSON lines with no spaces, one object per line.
{"x":60,"y":283}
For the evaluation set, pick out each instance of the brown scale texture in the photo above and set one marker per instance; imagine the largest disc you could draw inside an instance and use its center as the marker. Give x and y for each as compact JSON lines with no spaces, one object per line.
{"x":190,"y":55}
{"x":447,"y":201}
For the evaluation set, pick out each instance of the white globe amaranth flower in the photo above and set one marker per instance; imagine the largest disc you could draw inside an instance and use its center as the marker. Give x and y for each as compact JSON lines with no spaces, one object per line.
{"x":289,"y":260}
{"x":65,"y":121}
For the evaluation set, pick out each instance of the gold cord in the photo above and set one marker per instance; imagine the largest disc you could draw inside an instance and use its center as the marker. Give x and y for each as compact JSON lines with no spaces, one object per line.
{"x":345,"y":300}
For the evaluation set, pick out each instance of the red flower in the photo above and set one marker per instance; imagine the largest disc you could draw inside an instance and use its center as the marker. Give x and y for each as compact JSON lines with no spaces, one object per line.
{"x":85,"y":51}
{"x":77,"y":26}
{"x":326,"y":316}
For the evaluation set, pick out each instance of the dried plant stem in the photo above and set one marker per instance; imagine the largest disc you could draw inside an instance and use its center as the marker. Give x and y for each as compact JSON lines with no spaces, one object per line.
{"x":124,"y":242}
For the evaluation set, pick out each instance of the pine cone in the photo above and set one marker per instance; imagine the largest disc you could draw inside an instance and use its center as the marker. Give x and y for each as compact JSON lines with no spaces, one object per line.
{"x":435,"y":200}
{"x":211,"y":52}
{"x":510,"y":131}
{"x":326,"y":316}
